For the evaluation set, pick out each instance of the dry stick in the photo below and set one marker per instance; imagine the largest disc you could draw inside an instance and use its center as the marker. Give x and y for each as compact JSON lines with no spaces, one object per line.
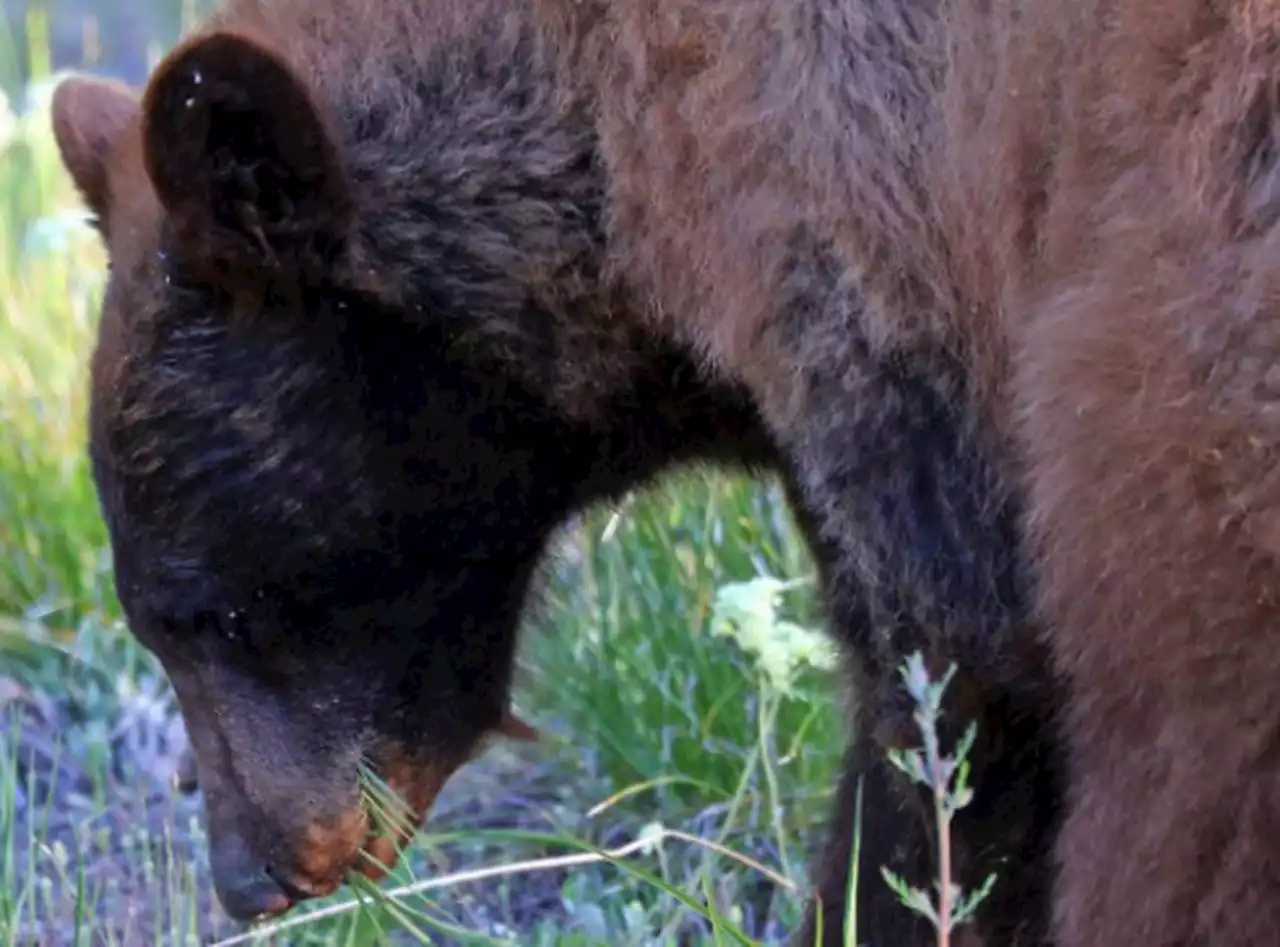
{"x":494,"y":871}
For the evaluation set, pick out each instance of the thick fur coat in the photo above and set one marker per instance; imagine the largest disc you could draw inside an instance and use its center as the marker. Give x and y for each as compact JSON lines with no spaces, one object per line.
{"x":397,"y":286}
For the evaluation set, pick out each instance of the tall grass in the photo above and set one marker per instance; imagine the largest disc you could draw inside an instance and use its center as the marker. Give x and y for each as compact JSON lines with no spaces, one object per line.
{"x":51,"y":276}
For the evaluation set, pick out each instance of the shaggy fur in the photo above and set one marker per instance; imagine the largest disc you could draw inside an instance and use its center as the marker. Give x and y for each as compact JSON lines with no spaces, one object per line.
{"x":989,"y":285}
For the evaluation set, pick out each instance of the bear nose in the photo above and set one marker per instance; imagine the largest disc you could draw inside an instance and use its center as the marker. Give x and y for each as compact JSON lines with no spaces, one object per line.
{"x":252,"y":896}
{"x":246,"y":885}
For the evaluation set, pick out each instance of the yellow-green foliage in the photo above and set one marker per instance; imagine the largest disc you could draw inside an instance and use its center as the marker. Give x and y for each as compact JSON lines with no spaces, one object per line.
{"x":51,"y":273}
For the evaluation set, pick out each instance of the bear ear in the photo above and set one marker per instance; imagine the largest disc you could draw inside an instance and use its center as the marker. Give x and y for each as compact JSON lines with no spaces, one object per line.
{"x":241,"y":157}
{"x":89,"y":115}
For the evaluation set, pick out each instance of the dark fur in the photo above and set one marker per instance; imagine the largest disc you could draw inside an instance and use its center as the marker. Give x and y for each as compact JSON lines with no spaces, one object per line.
{"x":921,"y":554}
{"x":989,"y":285}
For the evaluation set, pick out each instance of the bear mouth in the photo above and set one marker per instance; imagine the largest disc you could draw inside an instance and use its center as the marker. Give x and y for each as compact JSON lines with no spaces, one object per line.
{"x":396,"y":805}
{"x":399,"y":796}
{"x":296,"y":894}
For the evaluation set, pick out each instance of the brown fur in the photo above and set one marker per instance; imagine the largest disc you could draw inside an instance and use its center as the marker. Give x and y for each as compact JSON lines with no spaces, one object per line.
{"x":996,"y":280}
{"x":1146,"y":391}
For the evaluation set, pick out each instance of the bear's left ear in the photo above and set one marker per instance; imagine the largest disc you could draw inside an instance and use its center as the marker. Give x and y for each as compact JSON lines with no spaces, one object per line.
{"x":89,"y":116}
{"x":241,"y":157}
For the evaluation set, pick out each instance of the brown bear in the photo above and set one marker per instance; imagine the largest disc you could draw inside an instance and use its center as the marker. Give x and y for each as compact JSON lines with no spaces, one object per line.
{"x":399,"y":285}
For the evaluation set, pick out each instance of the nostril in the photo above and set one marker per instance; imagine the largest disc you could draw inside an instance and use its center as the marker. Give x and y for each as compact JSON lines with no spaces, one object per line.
{"x":255,"y":898}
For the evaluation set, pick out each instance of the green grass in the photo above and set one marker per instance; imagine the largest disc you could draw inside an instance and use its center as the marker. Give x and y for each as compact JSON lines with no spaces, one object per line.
{"x":50,"y":277}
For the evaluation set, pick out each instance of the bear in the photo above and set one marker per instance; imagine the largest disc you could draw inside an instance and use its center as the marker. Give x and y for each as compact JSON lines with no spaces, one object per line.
{"x":989,"y":287}
{"x":527,"y":256}
{"x":389,"y":302}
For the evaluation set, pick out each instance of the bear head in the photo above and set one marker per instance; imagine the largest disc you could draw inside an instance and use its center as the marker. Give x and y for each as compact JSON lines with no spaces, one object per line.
{"x":329,"y":476}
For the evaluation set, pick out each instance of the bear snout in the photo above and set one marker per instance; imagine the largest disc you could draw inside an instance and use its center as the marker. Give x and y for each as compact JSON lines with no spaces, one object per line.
{"x":260,"y":874}
{"x":262,"y":871}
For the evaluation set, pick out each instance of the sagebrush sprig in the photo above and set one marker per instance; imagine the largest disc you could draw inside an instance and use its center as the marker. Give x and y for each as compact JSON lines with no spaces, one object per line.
{"x":929,"y":767}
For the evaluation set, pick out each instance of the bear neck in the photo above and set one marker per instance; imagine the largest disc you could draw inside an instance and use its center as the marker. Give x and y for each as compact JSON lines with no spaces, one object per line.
{"x":481,"y":202}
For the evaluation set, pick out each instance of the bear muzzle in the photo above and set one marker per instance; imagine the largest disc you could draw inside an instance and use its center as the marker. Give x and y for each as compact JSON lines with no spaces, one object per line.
{"x":260,"y":874}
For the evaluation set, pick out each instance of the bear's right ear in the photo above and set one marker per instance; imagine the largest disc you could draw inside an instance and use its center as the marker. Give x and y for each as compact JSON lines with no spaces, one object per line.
{"x":242,"y":158}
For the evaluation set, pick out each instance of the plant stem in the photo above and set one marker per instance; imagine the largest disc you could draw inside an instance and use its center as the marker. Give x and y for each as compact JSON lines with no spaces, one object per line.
{"x":944,"y":834}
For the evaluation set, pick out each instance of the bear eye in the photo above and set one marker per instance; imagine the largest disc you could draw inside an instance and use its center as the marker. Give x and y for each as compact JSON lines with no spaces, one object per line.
{"x":204,"y":622}
{"x":233,"y":625}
